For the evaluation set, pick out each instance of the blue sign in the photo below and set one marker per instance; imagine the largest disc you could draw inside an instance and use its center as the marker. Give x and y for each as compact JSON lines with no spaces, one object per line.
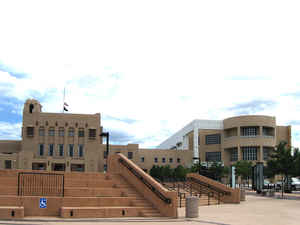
{"x":43,"y":203}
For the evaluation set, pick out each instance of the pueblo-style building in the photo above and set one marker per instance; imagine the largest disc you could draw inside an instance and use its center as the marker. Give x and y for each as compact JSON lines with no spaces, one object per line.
{"x":72,"y":142}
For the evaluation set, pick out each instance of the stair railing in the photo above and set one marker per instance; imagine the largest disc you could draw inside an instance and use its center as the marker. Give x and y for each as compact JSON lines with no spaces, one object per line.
{"x":148,"y":184}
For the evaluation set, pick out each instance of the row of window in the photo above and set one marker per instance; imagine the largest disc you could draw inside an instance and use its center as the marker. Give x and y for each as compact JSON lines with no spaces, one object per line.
{"x":60,"y":148}
{"x":249,"y":153}
{"x":163,"y":160}
{"x":61,"y":132}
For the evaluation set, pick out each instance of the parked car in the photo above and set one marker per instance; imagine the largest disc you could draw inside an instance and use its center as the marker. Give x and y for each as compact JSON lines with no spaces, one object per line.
{"x":268,"y":185}
{"x":295,"y":184}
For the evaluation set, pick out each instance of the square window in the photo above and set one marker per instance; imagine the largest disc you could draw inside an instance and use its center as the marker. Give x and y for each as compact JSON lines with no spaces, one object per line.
{"x":8,"y":164}
{"x":92,"y":133}
{"x":42,"y":131}
{"x":81,"y":132}
{"x":30,"y":131}
{"x":71,"y":132}
{"x":51,"y":132}
{"x":130,"y":155}
{"x":61,"y":132}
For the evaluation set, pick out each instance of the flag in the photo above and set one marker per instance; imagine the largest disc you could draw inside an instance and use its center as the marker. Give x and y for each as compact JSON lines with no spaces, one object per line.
{"x":65,"y":109}
{"x":65,"y":104}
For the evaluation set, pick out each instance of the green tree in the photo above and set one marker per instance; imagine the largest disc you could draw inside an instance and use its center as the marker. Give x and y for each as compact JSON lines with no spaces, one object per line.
{"x":180,"y":172}
{"x":284,"y":162}
{"x":218,"y":171}
{"x":243,"y":169}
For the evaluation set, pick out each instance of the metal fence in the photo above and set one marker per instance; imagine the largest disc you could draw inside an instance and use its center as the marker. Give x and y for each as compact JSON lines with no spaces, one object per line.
{"x":40,"y":184}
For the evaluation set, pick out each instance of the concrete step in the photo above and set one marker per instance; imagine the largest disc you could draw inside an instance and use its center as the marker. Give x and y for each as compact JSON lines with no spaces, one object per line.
{"x":11,"y":212}
{"x":101,"y":201}
{"x":100,"y":212}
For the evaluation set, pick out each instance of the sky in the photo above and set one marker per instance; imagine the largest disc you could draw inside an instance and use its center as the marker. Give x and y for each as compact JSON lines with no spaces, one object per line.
{"x":151,"y":67}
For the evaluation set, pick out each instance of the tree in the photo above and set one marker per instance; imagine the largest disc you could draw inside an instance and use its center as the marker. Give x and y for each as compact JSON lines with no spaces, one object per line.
{"x":243,"y":169}
{"x":218,"y":171}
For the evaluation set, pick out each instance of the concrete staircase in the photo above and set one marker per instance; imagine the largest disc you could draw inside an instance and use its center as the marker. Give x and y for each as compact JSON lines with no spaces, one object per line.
{"x":86,"y":195}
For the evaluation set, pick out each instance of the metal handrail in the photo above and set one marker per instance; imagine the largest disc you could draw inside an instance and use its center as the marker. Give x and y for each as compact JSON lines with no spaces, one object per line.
{"x":148,"y":184}
{"x":209,"y":186}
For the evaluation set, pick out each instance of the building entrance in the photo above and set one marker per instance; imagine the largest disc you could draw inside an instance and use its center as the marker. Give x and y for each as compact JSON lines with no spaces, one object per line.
{"x":58,"y":166}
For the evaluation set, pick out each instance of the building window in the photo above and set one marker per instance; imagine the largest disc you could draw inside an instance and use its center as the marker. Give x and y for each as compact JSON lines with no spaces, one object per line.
{"x":104,"y":155}
{"x":213,"y":139}
{"x":80,"y":150}
{"x":163,"y":160}
{"x":51,"y":131}
{"x":142,"y":159}
{"x":61,"y":150}
{"x":266,"y":152}
{"x":213,"y":156}
{"x":92,"y":133}
{"x":51,"y":149}
{"x":7,"y":164}
{"x":249,"y":131}
{"x":41,"y":149}
{"x":61,"y":132}
{"x":71,"y":132}
{"x":155,"y":160}
{"x":170,"y":160}
{"x":233,"y":155}
{"x":268,"y":131}
{"x":77,"y":167}
{"x":30,"y":131}
{"x":249,"y":153}
{"x":81,"y":132}
{"x":71,"y":150}
{"x":42,"y":131}
{"x":130,"y":155}
{"x":178,"y":160}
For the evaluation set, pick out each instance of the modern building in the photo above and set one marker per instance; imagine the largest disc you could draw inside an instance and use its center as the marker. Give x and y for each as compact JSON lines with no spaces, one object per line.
{"x":248,"y":137}
{"x":72,"y":142}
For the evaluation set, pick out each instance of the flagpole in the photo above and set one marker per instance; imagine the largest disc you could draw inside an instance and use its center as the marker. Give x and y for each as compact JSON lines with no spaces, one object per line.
{"x":63,"y":109}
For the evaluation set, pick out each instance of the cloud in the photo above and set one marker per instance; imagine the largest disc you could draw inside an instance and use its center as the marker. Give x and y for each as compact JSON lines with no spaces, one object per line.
{"x":10,"y":131}
{"x":252,"y":107}
{"x":123,"y":120}
{"x":120,"y":137}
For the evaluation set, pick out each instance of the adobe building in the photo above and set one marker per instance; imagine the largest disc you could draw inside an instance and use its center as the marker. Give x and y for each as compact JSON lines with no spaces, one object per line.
{"x":72,"y":142}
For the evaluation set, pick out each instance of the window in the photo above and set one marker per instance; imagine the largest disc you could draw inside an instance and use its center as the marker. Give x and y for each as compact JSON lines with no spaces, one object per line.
{"x":213,"y":156}
{"x":51,"y":149}
{"x":142,"y":159}
{"x":268,"y":131}
{"x":71,"y":132}
{"x":7,"y":164}
{"x":30,"y":131}
{"x":233,"y":155}
{"x":71,"y":150}
{"x":92,"y":133}
{"x":41,"y":149}
{"x":81,"y":132}
{"x":213,"y":139}
{"x":51,"y":131}
{"x":80,"y":150}
{"x":249,"y":153}
{"x":178,"y":160}
{"x":61,"y":132}
{"x":163,"y":160}
{"x":42,"y":131}
{"x":170,"y":160}
{"x":249,"y":131}
{"x":61,"y":150}
{"x":130,"y":155}
{"x":266,"y":152}
{"x":155,"y":160}
{"x":104,"y":155}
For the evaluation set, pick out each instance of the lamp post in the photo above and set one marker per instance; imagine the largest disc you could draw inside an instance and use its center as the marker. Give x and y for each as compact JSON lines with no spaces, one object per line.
{"x":106,"y":134}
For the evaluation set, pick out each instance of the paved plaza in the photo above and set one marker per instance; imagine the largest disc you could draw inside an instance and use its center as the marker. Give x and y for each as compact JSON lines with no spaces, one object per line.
{"x":256,"y":210}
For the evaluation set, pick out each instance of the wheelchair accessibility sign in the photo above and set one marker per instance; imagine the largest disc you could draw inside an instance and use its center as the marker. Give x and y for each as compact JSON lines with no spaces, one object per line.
{"x":43,"y":203}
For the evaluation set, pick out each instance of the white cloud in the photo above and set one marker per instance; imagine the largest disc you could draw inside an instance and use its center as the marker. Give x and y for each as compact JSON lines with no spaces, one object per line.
{"x":162,"y":63}
{"x":10,"y":131}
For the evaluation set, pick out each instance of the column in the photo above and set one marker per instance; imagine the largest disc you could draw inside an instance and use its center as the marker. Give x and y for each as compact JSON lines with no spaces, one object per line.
{"x":261,"y":154}
{"x":240,"y":153}
{"x":196,"y":147}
